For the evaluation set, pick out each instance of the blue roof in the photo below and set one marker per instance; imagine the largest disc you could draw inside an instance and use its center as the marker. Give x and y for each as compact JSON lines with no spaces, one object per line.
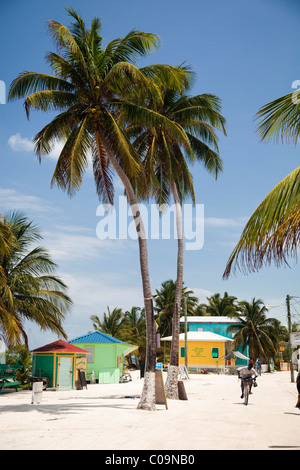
{"x":96,"y":337}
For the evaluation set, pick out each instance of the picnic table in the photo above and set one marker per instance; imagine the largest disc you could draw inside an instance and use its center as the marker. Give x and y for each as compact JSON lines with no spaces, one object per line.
{"x":8,"y":376}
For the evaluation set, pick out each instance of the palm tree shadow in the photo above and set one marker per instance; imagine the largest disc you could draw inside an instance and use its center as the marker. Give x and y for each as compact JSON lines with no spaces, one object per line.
{"x":69,"y":408}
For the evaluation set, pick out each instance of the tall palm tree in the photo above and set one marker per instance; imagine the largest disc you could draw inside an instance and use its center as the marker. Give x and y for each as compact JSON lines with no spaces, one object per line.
{"x":272,"y":232}
{"x":166,"y":164}
{"x":90,"y":86}
{"x":111,"y":324}
{"x":134,"y":331}
{"x":165,"y":300}
{"x":29,"y":290}
{"x":255,"y":330}
{"x":221,"y":306}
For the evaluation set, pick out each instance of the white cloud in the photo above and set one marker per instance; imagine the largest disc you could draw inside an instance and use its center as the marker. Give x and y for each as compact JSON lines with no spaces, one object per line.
{"x":94,"y":292}
{"x":225,"y":222}
{"x":11,"y":199}
{"x":202,"y":293}
{"x":74,"y":243}
{"x":18,"y":143}
{"x":23,"y":144}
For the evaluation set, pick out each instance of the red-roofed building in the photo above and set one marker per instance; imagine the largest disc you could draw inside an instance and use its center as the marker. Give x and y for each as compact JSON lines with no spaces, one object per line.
{"x":60,"y":362}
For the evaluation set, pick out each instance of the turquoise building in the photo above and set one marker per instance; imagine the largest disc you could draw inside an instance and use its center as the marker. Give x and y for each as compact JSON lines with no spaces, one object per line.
{"x":219,"y":326}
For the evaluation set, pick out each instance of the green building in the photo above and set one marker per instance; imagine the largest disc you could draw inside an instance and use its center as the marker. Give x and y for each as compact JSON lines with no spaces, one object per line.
{"x":106,"y":356}
{"x":59,"y":363}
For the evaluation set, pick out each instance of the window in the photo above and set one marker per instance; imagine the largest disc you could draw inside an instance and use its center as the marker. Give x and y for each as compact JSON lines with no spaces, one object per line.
{"x":90,"y":357}
{"x":182,"y":352}
{"x":217,"y":329}
{"x":200,"y":329}
{"x":215,"y":353}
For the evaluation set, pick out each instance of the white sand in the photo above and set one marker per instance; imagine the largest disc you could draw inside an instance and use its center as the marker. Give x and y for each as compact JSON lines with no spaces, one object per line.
{"x":100,"y":417}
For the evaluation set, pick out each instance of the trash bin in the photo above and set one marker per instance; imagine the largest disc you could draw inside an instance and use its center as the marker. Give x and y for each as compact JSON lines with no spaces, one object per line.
{"x":37,"y":390}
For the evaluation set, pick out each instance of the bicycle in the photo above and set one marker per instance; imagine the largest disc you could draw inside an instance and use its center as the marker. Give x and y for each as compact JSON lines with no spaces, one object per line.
{"x":247,"y":383}
{"x":247,"y":387}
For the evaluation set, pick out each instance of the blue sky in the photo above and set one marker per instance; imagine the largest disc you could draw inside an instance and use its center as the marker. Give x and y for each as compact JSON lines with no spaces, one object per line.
{"x":246,"y":53}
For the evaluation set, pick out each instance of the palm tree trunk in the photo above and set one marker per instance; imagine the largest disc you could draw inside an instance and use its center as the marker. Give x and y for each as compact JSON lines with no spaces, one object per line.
{"x":147,"y":401}
{"x":172,"y":378}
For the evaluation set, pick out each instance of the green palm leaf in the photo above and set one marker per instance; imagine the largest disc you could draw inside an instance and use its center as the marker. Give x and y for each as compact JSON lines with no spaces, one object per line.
{"x":30,"y":82}
{"x":28,"y":287}
{"x":280,"y":119}
{"x":272,"y":232}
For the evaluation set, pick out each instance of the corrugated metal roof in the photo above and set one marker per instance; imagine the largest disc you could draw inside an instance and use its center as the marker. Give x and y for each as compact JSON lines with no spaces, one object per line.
{"x":96,"y":337}
{"x":209,"y":319}
{"x":199,"y":336}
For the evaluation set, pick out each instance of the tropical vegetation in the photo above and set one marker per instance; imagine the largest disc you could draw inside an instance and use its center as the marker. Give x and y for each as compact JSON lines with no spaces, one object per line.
{"x":96,"y":90}
{"x":142,"y":125}
{"x":111,"y":323}
{"x":271,"y":235}
{"x":29,"y":289}
{"x":254,"y":330}
{"x":165,"y":301}
{"x":166,"y":160}
{"x":220,"y":306}
{"x":21,"y":356}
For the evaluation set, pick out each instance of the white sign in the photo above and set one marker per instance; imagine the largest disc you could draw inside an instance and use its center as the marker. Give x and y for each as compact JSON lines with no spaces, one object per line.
{"x":295,"y":339}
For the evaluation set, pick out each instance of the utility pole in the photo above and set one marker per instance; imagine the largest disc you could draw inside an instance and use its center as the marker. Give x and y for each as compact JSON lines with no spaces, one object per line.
{"x":185,"y":335}
{"x":290,"y":330}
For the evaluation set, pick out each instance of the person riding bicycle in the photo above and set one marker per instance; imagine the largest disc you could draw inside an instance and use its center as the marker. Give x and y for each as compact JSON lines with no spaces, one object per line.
{"x":247,"y":372}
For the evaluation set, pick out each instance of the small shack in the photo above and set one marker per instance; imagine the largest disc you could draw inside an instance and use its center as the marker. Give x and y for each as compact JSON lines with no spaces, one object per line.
{"x":59,"y":362}
{"x":106,"y":356}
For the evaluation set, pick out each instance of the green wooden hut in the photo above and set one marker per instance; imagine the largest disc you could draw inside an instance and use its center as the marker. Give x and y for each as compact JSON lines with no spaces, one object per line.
{"x":59,"y":362}
{"x":106,"y":355}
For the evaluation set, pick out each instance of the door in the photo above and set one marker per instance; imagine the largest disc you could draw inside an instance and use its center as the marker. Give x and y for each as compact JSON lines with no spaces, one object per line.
{"x":65,"y":373}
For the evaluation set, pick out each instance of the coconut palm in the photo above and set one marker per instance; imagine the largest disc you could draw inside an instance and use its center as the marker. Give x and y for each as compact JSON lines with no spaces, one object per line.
{"x":111,"y":323}
{"x":255,"y":330}
{"x":29,"y":290}
{"x":272,"y":232}
{"x":134,"y":332}
{"x":165,"y":300}
{"x":221,"y":306}
{"x":132,"y":319}
{"x":90,"y":86}
{"x":166,"y":163}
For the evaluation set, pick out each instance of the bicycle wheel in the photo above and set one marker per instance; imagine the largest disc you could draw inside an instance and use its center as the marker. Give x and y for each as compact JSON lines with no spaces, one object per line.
{"x":246,"y":393}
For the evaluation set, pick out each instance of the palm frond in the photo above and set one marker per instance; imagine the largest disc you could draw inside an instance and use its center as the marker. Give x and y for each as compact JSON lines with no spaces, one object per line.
{"x":169,"y":77}
{"x":58,"y":130}
{"x":211,"y":160}
{"x":30,"y":82}
{"x":102,"y":174}
{"x":73,"y":159}
{"x":280,"y":119}
{"x":144,"y":116}
{"x":272,"y":232}
{"x":134,"y":45}
{"x":122,"y":147}
{"x":49,"y":100}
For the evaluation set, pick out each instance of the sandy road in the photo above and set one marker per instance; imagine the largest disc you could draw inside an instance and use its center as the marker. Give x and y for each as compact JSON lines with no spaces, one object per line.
{"x":104,"y":417}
